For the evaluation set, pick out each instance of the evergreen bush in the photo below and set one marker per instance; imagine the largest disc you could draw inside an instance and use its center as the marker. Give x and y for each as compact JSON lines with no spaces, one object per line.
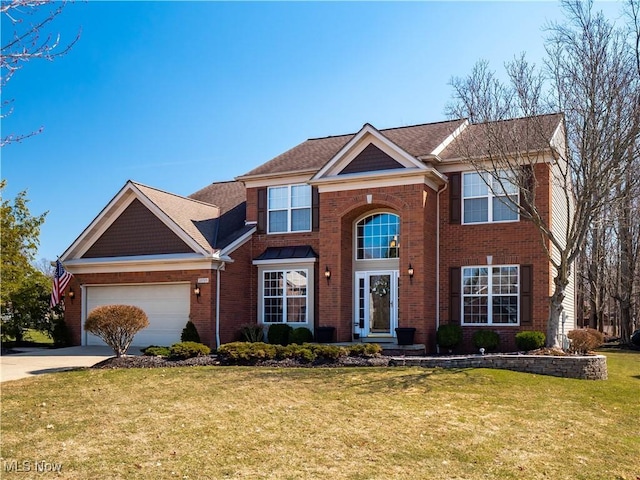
{"x":300,"y":335}
{"x":278,"y":334}
{"x":530,"y":340}
{"x":184,"y":350}
{"x":487,"y":339}
{"x":449,"y":336}
{"x":190,"y":333}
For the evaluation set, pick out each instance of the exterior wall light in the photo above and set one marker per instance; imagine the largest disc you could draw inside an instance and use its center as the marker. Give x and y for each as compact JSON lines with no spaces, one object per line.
{"x":327,"y":273}
{"x":410,"y":271}
{"x":196,"y":290}
{"x":72,"y":294}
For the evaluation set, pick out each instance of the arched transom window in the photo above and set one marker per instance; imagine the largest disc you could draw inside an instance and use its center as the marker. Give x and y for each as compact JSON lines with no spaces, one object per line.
{"x":378,"y":236}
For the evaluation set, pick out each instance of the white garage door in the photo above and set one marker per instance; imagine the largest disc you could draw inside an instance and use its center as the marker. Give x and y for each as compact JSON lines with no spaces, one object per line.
{"x":166,"y":305}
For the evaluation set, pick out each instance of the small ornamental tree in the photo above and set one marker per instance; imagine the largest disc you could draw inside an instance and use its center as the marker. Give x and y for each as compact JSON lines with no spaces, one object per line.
{"x":190,"y":333}
{"x":116,"y":325}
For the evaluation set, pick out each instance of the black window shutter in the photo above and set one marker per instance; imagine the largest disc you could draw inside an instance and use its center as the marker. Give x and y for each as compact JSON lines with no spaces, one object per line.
{"x":455,"y":300}
{"x":526,"y":295}
{"x":315,"y":209}
{"x":455,"y":198}
{"x":262,"y":210}
{"x":529,"y":185}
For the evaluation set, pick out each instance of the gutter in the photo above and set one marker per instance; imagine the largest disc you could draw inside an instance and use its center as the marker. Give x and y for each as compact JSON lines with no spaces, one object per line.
{"x":218,"y":268}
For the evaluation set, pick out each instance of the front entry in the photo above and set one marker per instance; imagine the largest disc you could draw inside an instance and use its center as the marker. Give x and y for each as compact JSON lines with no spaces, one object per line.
{"x":376,"y":303}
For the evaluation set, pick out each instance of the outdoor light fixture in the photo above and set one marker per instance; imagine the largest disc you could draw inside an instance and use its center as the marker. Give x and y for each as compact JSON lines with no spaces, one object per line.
{"x":327,"y":273}
{"x":72,"y":294}
{"x":410,"y":271}
{"x":196,"y":290}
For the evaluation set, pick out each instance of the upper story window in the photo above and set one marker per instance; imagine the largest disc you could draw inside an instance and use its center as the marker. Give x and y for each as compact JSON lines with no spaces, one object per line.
{"x":289,"y":209}
{"x":378,"y":236}
{"x":482,"y":204}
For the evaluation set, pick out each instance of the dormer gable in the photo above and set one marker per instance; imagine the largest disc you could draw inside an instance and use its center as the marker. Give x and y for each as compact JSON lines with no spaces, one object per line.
{"x":371,"y":156}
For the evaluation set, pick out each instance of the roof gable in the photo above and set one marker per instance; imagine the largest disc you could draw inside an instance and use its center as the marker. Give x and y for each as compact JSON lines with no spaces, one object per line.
{"x":369,"y":160}
{"x":136,"y":231}
{"x":176,"y":219}
{"x":368,"y":151}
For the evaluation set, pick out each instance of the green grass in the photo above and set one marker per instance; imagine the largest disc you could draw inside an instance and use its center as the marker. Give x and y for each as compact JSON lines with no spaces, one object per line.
{"x":346,"y":423}
{"x":32,"y":338}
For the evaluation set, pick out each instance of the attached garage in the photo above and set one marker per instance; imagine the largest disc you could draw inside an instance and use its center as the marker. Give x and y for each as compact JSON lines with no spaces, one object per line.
{"x":166,"y":305}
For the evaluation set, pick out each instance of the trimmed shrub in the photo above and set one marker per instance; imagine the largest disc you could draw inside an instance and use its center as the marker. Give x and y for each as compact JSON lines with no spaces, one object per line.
{"x":300,"y":335}
{"x":156,"y":351}
{"x":487,"y":339}
{"x":252,"y":332}
{"x":327,"y":352}
{"x":294,"y":351}
{"x":116,"y":325}
{"x":184,"y":350}
{"x":585,"y":339}
{"x":364,"y":349}
{"x":449,"y":336}
{"x":190,"y":333}
{"x":278,"y":334}
{"x":530,"y":340}
{"x":245,"y":353}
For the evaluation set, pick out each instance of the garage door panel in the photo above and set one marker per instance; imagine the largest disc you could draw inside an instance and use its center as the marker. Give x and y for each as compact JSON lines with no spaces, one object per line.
{"x":166,"y":306}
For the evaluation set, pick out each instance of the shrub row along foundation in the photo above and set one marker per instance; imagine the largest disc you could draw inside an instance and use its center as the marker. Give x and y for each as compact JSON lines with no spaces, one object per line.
{"x":593,"y":367}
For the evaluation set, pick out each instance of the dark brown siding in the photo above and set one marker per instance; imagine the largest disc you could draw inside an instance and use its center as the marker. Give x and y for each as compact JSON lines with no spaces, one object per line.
{"x":136,"y":231}
{"x":371,"y":159}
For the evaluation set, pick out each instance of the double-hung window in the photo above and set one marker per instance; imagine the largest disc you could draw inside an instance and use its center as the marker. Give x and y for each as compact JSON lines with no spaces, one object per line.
{"x":285,"y":296}
{"x":490,"y":295}
{"x":482,"y":204}
{"x":289,"y":209}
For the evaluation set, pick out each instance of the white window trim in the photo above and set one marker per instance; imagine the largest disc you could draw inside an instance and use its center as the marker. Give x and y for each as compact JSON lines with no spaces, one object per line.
{"x":490,"y":322}
{"x":355,"y":238}
{"x":289,"y":209}
{"x":285,"y":266}
{"x":491,"y":197}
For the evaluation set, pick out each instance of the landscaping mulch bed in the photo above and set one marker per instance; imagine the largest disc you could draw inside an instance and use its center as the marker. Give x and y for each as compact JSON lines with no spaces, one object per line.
{"x":138,"y":361}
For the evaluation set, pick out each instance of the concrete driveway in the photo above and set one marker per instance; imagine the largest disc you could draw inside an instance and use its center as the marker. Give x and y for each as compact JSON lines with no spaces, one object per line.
{"x":38,"y":361}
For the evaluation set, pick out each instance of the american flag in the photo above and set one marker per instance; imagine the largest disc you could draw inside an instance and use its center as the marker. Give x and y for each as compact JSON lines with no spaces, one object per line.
{"x":61,"y":279}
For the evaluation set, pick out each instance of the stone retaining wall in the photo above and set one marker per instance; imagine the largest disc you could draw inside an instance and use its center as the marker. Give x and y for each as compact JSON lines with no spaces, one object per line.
{"x":592,"y":367}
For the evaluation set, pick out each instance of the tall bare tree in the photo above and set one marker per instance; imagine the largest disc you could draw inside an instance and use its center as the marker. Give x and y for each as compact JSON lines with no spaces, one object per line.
{"x":31,"y":39}
{"x":590,"y":75}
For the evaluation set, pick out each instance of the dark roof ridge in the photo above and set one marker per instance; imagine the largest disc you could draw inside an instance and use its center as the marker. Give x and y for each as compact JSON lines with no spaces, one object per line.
{"x":389,"y":128}
{"x":172,"y":194}
{"x":551,"y":114}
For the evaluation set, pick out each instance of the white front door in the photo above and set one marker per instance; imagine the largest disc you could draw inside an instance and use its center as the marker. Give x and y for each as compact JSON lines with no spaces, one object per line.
{"x":376,"y":306}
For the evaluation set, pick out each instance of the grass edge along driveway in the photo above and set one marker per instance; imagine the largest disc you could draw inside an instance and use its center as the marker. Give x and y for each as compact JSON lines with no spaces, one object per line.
{"x":346,"y":423}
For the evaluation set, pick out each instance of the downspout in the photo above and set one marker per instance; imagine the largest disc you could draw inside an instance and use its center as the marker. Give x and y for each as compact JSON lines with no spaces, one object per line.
{"x":220,"y":265}
{"x":446,"y":185}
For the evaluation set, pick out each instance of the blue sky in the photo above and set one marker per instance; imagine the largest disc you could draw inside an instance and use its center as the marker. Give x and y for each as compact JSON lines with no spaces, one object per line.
{"x":177,"y":95}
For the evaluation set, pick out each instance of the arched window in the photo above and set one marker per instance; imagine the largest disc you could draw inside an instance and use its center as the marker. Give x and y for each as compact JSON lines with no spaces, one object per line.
{"x":378,"y":236}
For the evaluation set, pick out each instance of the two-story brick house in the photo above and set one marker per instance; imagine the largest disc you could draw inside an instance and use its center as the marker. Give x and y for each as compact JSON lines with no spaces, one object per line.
{"x":363,"y":232}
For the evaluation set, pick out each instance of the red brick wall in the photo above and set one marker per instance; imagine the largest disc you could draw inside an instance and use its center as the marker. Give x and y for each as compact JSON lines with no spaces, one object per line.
{"x":338,"y":212}
{"x":509,"y":243}
{"x":202,"y":308}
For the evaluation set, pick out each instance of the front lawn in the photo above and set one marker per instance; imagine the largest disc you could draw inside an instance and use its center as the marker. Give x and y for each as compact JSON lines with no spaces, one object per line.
{"x":338,"y":423}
